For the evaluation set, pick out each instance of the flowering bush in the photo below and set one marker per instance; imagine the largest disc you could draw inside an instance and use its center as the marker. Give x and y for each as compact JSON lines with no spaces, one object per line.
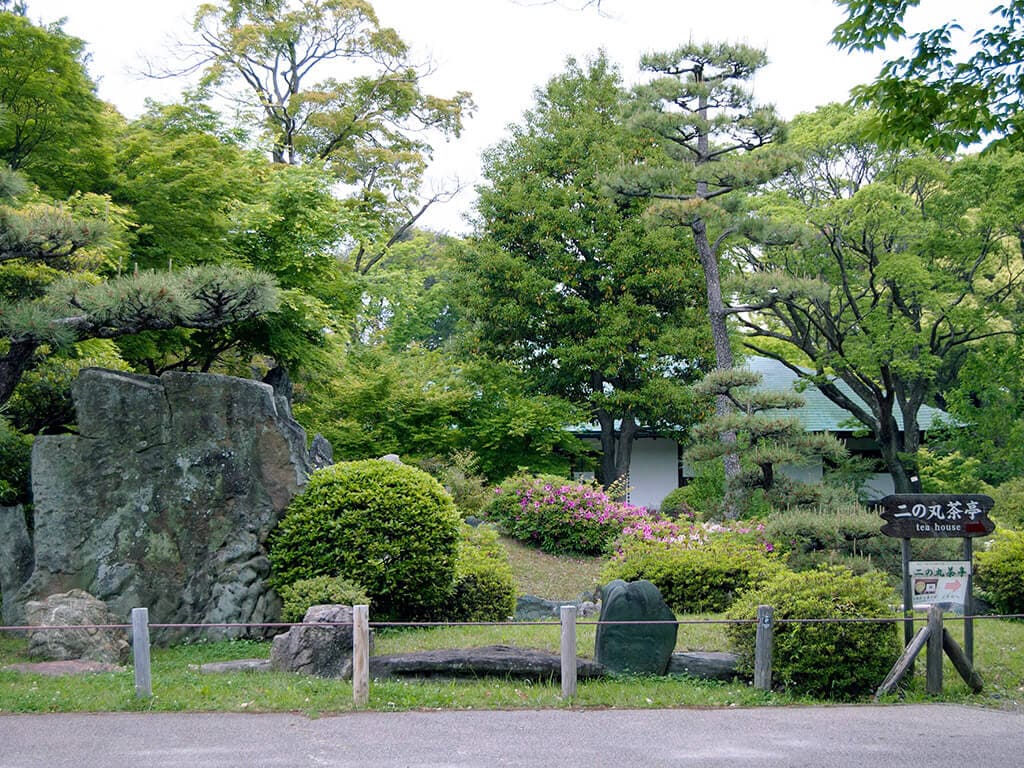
{"x":699,"y":567}
{"x":561,"y":517}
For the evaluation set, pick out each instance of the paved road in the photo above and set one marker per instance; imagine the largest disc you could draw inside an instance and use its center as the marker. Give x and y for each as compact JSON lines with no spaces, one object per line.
{"x":938,"y":736}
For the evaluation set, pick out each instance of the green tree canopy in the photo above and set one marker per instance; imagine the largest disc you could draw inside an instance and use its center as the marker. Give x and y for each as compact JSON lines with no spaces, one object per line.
{"x":901,"y":264}
{"x":571,"y":285}
{"x":53,"y":128}
{"x":942,"y":93}
{"x":371,"y":131}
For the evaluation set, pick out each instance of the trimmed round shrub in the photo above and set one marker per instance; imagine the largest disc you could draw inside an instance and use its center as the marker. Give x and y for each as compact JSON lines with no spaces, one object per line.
{"x":1000,"y":572}
{"x":676,"y":506}
{"x":822,"y":659}
{"x":389,"y":527}
{"x":560,"y":517}
{"x":485,"y":588}
{"x":697,"y":571}
{"x":320,"y":590}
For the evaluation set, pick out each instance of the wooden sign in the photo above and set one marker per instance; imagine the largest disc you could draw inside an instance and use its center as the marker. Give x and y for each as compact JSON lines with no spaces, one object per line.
{"x":936,"y":515}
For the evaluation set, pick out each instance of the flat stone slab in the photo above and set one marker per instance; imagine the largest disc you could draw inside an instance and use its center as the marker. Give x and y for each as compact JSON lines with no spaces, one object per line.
{"x":499,"y":660}
{"x":62,"y":668}
{"x":707,"y":665}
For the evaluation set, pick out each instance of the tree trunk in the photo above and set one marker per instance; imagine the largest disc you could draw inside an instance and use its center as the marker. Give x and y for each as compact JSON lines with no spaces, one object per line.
{"x":891,"y":446}
{"x":723,"y":353}
{"x":616,"y":446}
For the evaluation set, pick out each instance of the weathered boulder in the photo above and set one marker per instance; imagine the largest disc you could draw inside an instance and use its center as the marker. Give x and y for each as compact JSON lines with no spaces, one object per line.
{"x":165,"y":497}
{"x":16,"y":561}
{"x":75,"y":609}
{"x":635,"y":648}
{"x":705,"y":665}
{"x":321,"y":646}
{"x":533,"y":608}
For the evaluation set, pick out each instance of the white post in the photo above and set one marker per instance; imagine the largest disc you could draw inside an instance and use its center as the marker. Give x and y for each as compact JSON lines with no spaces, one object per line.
{"x":567,"y":614}
{"x":360,"y":655}
{"x":140,"y":649}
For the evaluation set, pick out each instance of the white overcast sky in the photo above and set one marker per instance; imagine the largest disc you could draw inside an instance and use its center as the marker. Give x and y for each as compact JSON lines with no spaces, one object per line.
{"x":502,"y":50}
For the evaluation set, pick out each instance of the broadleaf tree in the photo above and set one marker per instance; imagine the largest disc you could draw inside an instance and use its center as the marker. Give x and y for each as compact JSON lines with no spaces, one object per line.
{"x":902,"y":263}
{"x":947,"y":92}
{"x":574,"y":286}
{"x":371,"y":130}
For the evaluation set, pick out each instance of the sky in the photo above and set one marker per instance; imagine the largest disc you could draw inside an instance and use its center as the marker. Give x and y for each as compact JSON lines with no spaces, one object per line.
{"x":503,"y":50}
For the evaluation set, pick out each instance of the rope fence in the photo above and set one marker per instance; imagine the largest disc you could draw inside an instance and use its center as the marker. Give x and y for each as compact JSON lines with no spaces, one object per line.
{"x":568,"y":622}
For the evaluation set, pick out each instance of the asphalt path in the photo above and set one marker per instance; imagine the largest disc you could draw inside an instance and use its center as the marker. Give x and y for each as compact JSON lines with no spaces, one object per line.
{"x":925,"y":736}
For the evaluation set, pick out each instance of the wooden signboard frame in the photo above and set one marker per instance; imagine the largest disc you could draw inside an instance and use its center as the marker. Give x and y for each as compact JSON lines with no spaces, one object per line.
{"x":934,"y":515}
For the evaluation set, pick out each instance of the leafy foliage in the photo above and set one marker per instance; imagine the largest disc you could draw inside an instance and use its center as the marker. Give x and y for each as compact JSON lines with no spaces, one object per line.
{"x":15,"y":465}
{"x":299,"y":596}
{"x":697,"y":569}
{"x":485,"y":588}
{"x":426,"y":405}
{"x":370,"y":130}
{"x":986,"y":403}
{"x":1000,"y":572}
{"x":846,"y":535}
{"x":676,"y":505}
{"x":580,"y":294}
{"x":939,"y":94}
{"x":896,"y":265}
{"x":829,"y":660}
{"x":558,"y":516}
{"x":54,"y":128}
{"x":1008,"y":509}
{"x":389,"y":527}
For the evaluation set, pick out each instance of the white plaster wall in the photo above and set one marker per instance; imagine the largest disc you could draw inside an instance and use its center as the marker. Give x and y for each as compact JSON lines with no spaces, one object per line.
{"x":653,"y":471}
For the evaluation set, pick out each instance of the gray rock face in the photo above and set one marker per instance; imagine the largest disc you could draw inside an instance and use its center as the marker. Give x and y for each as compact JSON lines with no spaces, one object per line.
{"x":166,"y":496}
{"x":316,"y":647}
{"x":635,"y":648}
{"x":76,"y":607}
{"x":706,"y":665}
{"x":533,"y":608}
{"x":16,"y":561}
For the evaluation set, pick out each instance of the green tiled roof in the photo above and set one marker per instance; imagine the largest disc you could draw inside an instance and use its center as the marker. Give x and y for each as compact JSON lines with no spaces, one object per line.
{"x":819,"y":414}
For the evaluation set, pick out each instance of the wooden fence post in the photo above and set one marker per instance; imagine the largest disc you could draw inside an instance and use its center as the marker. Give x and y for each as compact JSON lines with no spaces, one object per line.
{"x":140,"y":652}
{"x":360,"y":655}
{"x":567,"y":614}
{"x":764,"y":640}
{"x":933,"y":655}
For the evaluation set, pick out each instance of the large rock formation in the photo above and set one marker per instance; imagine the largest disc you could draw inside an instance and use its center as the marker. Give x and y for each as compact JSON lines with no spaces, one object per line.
{"x":165,"y":497}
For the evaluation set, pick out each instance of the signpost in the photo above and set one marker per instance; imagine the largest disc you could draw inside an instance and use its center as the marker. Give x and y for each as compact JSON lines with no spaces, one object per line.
{"x":931,"y":516}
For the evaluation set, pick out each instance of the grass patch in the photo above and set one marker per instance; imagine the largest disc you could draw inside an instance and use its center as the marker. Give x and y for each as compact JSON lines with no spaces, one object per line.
{"x":552,"y":577}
